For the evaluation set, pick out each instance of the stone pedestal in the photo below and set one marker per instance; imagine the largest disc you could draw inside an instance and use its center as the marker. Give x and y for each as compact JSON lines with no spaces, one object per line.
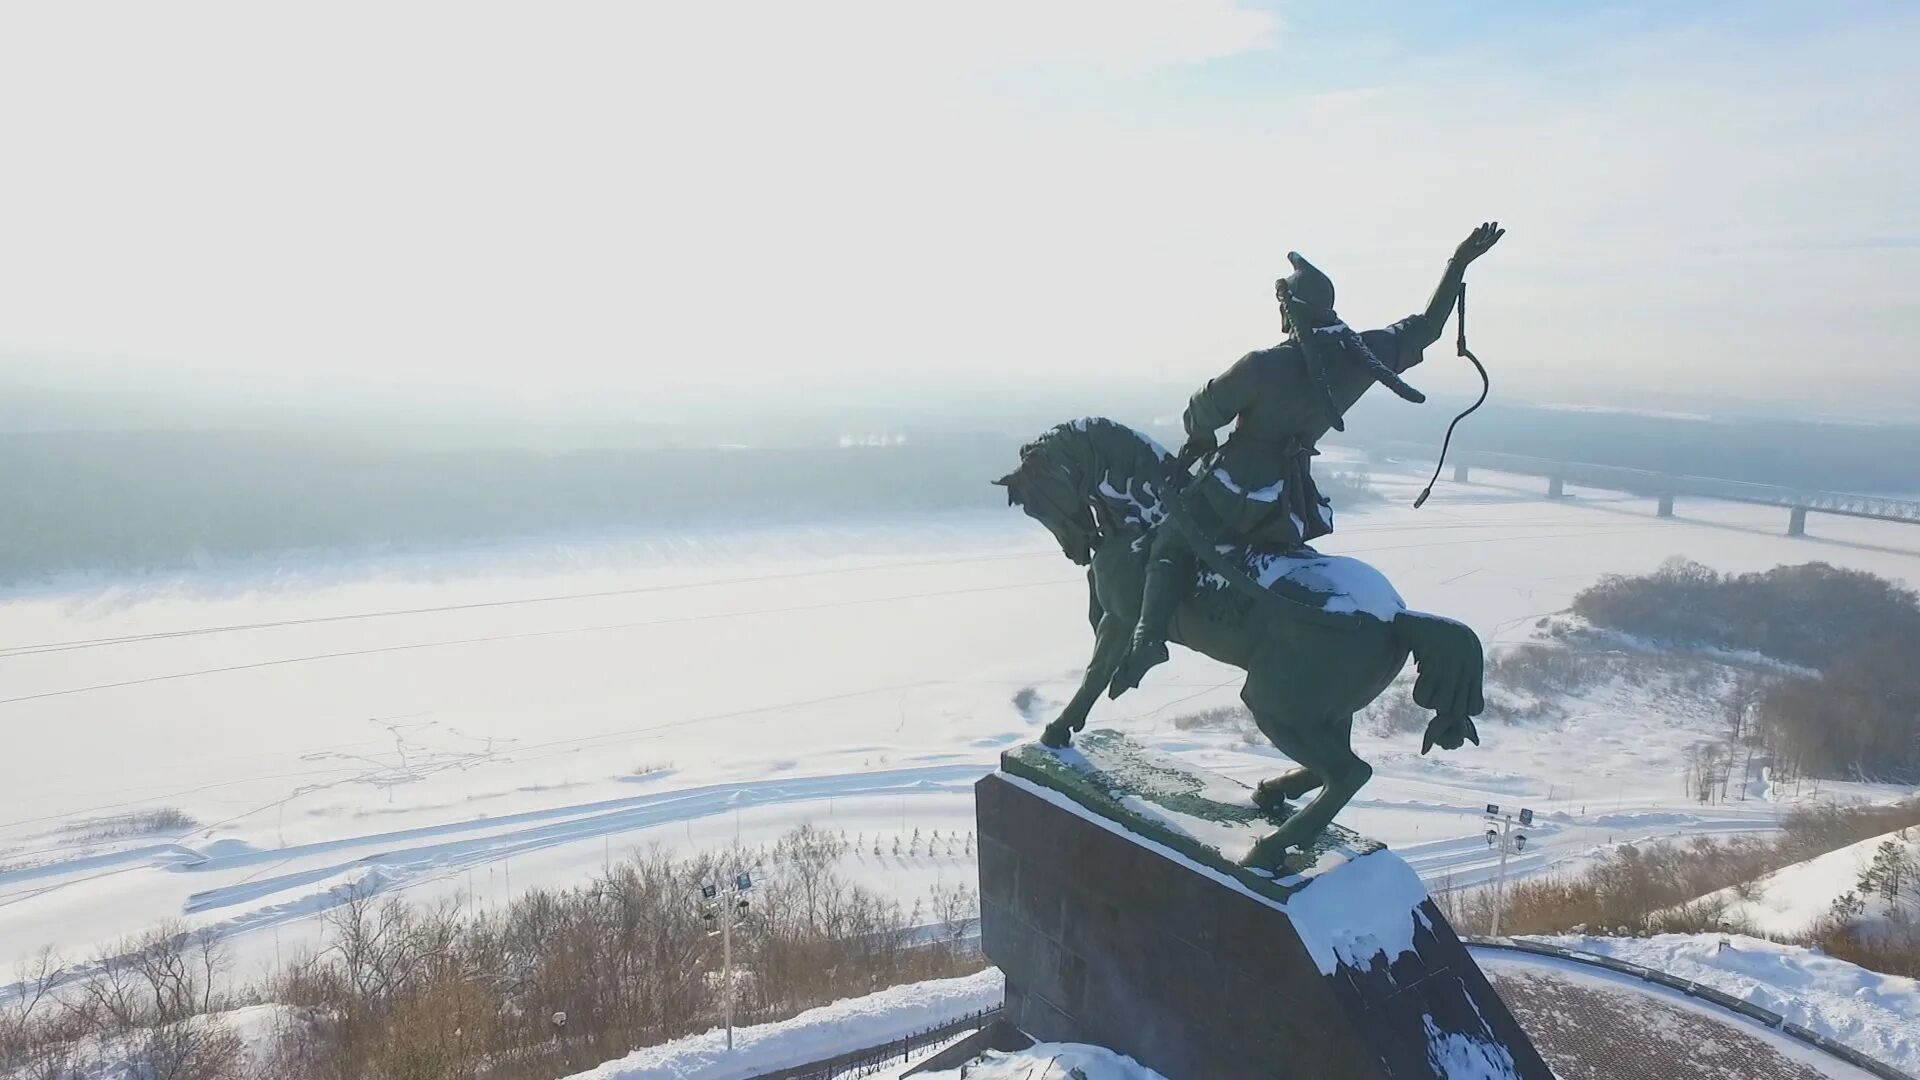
{"x":1112,"y":899}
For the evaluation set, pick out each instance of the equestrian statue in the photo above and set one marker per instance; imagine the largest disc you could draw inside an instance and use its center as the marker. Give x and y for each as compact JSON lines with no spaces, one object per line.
{"x":1209,"y":549}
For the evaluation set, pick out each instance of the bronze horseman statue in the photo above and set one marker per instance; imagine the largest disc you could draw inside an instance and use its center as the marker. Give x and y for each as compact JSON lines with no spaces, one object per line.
{"x":1219,"y":560}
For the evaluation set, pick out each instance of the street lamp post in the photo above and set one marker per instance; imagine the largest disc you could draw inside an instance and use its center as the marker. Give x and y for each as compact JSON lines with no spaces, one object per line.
{"x":1501,"y":834}
{"x":737,"y":906}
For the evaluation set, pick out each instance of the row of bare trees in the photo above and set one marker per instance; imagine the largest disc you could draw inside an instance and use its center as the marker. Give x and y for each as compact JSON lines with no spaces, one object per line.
{"x":151,"y":1004}
{"x":556,"y":981}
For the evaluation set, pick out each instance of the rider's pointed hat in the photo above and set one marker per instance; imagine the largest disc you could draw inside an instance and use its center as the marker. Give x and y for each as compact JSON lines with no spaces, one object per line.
{"x":1308,"y":284}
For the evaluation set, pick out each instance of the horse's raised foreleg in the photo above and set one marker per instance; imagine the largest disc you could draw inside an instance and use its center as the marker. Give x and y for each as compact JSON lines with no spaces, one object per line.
{"x":1110,"y":641}
{"x":1323,"y":746}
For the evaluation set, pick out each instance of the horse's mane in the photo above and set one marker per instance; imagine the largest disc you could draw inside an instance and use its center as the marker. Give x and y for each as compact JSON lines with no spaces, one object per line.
{"x":1116,"y":465}
{"x":1107,"y":438}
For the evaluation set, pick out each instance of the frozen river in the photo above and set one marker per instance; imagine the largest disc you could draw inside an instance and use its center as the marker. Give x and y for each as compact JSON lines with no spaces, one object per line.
{"x":478,"y":722}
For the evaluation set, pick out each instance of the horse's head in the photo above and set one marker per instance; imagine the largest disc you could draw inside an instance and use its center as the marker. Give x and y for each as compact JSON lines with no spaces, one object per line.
{"x":1047,"y":491}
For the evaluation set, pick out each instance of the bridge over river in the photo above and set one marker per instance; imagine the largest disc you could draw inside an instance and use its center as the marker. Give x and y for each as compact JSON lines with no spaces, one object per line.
{"x":1798,"y":502}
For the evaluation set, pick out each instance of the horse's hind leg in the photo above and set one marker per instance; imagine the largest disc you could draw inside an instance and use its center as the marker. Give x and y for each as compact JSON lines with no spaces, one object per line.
{"x":1321,"y":745}
{"x":1275,"y":791}
{"x":1272,"y":719}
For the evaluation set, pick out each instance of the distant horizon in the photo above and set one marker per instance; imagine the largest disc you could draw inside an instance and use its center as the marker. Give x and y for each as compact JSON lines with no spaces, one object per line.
{"x":51,"y":395}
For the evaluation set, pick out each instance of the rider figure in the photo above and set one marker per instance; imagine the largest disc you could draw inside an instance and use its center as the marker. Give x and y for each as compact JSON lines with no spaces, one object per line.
{"x":1260,"y":489}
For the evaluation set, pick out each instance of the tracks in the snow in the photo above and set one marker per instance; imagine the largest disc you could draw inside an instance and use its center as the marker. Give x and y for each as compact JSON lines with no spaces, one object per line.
{"x":258,"y":888}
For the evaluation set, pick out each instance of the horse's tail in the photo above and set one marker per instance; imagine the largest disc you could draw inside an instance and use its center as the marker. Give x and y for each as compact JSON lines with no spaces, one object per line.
{"x":1450,"y":660}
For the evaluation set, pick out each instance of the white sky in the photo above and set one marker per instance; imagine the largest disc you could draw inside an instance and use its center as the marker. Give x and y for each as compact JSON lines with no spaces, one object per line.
{"x":568,"y":199}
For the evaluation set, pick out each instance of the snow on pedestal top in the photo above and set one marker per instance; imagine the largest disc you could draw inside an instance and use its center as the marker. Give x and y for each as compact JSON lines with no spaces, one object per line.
{"x":1348,"y":898}
{"x":1205,"y":816}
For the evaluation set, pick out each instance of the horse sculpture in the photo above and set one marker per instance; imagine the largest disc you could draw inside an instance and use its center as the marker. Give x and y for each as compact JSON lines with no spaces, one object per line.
{"x":1319,"y":636}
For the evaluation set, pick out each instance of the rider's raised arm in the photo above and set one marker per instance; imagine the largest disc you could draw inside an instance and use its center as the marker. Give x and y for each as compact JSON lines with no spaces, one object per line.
{"x":1432,"y":321}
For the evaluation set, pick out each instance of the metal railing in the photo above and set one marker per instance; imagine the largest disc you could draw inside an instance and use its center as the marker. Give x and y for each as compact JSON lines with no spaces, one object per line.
{"x":873,"y":1059}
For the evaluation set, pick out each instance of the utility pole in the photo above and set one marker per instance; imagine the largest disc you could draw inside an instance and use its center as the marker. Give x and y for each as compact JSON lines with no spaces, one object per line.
{"x":726,"y":976}
{"x":736,"y":911}
{"x":1500,"y":835}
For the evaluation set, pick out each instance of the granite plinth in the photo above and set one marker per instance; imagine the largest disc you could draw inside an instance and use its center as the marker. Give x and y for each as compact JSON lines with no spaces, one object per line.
{"x":1112,"y":898}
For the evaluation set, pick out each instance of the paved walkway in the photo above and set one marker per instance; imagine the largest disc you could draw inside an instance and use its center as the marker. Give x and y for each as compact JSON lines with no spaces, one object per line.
{"x":1597,"y":1025}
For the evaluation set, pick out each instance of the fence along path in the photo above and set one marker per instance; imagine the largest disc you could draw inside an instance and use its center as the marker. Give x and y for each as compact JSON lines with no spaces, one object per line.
{"x":867,"y":1061}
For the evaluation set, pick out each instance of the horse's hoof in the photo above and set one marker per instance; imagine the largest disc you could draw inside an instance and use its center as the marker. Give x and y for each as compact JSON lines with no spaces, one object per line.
{"x":1266,"y":855}
{"x":1275,"y":792}
{"x":1057,"y":738}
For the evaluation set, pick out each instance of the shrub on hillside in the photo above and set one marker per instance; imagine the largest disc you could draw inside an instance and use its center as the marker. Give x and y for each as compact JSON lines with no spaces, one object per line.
{"x":1659,"y":887}
{"x":1228,"y":718}
{"x":1808,"y":615}
{"x":150,"y":1003}
{"x":1859,"y":717}
{"x":630,"y":959}
{"x":1894,"y":950}
{"x":1348,"y":488}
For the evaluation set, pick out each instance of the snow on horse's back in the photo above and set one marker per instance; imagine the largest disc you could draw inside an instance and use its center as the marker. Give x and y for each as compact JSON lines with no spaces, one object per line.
{"x":1345,"y":585}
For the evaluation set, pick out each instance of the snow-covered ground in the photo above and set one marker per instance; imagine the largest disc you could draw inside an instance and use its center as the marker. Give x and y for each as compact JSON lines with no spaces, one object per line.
{"x":479,"y":723}
{"x":1792,"y":899}
{"x":1878,"y":1015}
{"x":815,"y":1035}
{"x":255,"y":1029}
{"x":860,"y":1024}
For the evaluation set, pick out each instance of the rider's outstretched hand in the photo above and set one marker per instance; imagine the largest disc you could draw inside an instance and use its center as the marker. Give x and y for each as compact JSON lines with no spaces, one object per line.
{"x":1478,"y":242}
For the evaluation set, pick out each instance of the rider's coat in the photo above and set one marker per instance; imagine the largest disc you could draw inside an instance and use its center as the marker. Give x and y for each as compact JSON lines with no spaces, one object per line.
{"x":1260,"y":489}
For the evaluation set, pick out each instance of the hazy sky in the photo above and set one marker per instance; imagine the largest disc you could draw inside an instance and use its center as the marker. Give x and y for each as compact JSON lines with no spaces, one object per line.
{"x":567,"y":200}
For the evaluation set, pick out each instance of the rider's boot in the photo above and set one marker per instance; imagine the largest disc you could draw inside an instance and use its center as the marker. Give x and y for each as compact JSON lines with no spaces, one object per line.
{"x":1169,"y":576}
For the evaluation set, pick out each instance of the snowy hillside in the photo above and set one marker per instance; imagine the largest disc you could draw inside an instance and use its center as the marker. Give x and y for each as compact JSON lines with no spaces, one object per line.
{"x":185,"y":1050}
{"x":1793,"y":899}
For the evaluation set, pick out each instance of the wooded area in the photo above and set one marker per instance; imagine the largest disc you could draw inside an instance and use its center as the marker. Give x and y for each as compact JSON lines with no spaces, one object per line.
{"x":1851,"y":710}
